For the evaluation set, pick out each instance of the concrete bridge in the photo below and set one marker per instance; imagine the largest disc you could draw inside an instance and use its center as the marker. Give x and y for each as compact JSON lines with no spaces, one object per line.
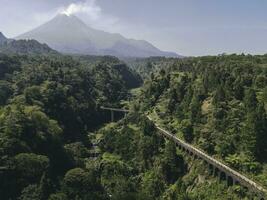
{"x":112,"y":110}
{"x":217,"y":168}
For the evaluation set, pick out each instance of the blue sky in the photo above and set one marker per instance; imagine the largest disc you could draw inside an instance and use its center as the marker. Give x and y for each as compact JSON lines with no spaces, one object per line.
{"x":188,"y":27}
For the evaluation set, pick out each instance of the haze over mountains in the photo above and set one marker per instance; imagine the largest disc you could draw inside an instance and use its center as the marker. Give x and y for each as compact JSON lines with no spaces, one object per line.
{"x":68,"y":34}
{"x":11,"y":46}
{"x":3,"y":38}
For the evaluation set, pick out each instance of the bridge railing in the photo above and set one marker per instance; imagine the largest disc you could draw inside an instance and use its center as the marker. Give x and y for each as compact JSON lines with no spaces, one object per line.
{"x":114,"y":109}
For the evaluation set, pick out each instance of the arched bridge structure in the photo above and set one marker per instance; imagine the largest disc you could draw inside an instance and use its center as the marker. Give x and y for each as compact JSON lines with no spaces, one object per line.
{"x":217,"y":167}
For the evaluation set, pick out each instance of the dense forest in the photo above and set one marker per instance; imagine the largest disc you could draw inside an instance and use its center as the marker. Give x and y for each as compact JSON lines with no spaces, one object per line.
{"x":217,"y":103}
{"x":51,"y":120}
{"x":48,"y":105}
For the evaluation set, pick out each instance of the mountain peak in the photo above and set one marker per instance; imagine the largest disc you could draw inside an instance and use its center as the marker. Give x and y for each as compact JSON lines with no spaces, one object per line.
{"x":64,"y":15}
{"x":63,"y":20}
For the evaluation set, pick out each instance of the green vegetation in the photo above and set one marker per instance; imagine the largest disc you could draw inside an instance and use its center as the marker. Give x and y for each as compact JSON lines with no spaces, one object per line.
{"x":137,"y":163}
{"x":218,"y":104}
{"x":51,"y":124}
{"x":48,"y":106}
{"x":25,"y":47}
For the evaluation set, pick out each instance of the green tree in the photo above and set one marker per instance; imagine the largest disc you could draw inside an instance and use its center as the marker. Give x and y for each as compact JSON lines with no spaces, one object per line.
{"x":195,"y":109}
{"x":187,"y":130}
{"x":172,"y":165}
{"x":5,"y":92}
{"x":58,"y":196}
{"x":31,"y":192}
{"x":250,"y":100}
{"x":153,"y":185}
{"x":30,"y":167}
{"x":261,"y":129}
{"x":81,"y":184}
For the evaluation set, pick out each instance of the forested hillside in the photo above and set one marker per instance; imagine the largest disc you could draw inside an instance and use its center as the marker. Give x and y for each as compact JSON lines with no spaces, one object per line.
{"x":138,"y":163}
{"x":25,"y":47}
{"x":217,"y":103}
{"x":51,"y":125}
{"x":133,"y":100}
{"x":48,"y":105}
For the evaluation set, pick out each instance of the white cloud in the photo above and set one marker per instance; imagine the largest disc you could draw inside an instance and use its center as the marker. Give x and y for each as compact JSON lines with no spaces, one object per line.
{"x":88,"y":7}
{"x":87,"y":10}
{"x":92,"y":14}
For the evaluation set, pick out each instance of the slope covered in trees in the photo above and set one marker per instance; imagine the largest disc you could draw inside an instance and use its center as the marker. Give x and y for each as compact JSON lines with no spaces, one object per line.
{"x":51,"y":123}
{"x":25,"y":47}
{"x":217,"y":103}
{"x":47,"y":106}
{"x":138,"y":163}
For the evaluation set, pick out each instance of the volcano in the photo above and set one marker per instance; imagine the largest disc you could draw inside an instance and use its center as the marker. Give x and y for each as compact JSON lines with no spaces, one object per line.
{"x":69,"y":34}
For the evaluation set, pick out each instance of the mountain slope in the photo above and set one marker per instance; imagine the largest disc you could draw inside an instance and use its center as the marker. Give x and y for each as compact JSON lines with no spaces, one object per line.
{"x":25,"y":47}
{"x":11,"y":46}
{"x":68,"y":34}
{"x":3,"y":38}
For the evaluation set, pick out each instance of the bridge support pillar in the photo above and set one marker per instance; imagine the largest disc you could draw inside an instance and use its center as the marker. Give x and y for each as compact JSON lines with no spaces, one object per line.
{"x":216,"y":172}
{"x":223,"y":176}
{"x":112,"y":115}
{"x":230,"y":181}
{"x":213,"y":171}
{"x":235,"y":182}
{"x":210,"y":169}
{"x":219,"y":175}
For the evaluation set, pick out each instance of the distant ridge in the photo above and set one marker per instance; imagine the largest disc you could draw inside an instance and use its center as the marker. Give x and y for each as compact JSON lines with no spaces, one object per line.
{"x":11,"y":46}
{"x":3,"y":38}
{"x":68,"y":34}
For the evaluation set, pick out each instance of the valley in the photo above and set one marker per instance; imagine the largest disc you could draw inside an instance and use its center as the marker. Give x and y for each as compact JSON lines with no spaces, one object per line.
{"x":133,"y":100}
{"x":52,"y":107}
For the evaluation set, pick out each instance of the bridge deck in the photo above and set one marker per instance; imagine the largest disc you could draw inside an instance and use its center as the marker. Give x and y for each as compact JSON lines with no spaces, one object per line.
{"x":114,"y":109}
